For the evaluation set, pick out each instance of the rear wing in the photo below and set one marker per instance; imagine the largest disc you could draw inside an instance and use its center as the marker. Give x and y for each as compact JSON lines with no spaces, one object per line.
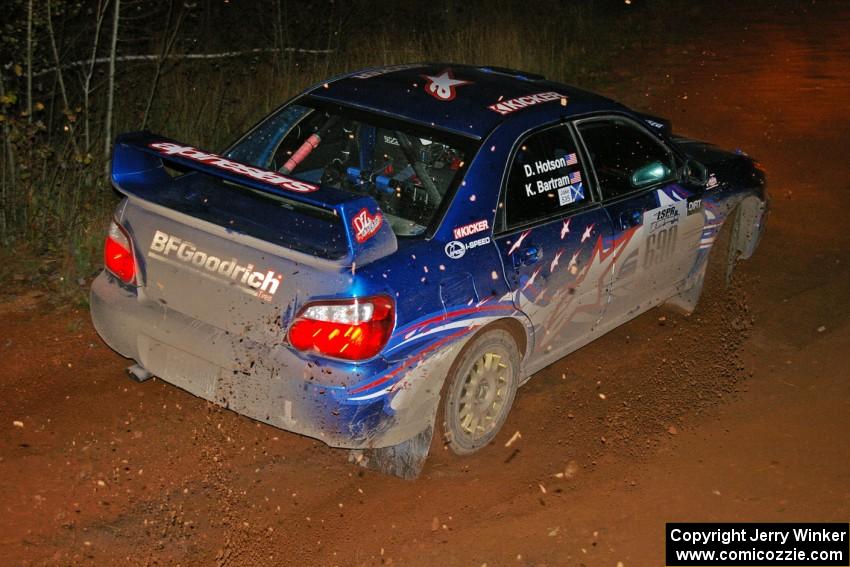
{"x":139,"y":170}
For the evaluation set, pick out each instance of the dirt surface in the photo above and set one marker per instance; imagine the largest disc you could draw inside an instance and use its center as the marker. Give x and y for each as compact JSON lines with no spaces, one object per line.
{"x":736,"y":413}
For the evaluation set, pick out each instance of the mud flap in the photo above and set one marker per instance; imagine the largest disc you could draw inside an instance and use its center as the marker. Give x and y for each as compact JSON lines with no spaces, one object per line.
{"x":686,"y":301}
{"x":722,"y":258}
{"x":404,"y":460}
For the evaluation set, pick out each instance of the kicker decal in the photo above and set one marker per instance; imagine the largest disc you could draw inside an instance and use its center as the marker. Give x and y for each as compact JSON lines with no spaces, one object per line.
{"x":365,"y":225}
{"x":504,"y":107}
{"x":172,"y":250}
{"x":442,"y":86}
{"x":271,"y":177}
{"x":470,"y":229}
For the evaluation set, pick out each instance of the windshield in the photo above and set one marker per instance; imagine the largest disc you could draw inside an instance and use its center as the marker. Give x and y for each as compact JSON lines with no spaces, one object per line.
{"x":408,"y":169}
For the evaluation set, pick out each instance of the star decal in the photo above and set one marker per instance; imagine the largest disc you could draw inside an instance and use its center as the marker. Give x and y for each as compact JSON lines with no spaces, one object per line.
{"x":590,"y":282}
{"x":518,"y":242}
{"x":587,"y":232}
{"x":530,"y":281}
{"x":442,"y":86}
{"x":565,"y":230}
{"x":554,"y":263}
{"x":573,"y":265}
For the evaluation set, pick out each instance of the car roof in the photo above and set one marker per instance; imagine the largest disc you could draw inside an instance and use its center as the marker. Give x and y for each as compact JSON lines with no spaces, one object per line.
{"x":472,"y":101}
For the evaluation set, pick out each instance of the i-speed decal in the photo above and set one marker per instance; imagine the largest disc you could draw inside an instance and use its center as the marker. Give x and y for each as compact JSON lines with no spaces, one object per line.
{"x":271,"y":177}
{"x":456,"y":249}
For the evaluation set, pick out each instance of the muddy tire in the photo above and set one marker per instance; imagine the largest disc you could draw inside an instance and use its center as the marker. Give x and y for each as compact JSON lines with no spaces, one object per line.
{"x":480,"y":391}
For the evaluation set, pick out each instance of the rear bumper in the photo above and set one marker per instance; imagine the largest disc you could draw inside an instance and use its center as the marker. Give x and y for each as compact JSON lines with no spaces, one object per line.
{"x":268,"y":383}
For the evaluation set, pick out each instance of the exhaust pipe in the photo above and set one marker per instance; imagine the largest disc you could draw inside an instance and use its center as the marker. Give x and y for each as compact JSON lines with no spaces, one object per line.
{"x":138,"y":373}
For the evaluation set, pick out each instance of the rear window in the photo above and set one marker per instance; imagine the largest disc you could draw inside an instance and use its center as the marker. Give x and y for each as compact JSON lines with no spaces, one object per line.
{"x":410,"y":170}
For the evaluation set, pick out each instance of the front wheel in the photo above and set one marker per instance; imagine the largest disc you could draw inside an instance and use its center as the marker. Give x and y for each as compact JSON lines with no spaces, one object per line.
{"x":480,"y":391}
{"x":716,"y":273}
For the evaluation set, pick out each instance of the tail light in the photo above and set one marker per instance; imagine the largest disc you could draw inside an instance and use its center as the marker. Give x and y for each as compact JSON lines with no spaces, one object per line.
{"x":352,"y":329}
{"x":118,"y":254}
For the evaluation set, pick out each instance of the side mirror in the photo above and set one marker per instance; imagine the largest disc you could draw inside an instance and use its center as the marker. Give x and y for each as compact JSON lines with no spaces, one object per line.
{"x":649,"y":174}
{"x":696,"y":172}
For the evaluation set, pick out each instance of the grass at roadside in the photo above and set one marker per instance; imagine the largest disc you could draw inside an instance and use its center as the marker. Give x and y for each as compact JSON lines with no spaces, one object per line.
{"x":56,"y":217}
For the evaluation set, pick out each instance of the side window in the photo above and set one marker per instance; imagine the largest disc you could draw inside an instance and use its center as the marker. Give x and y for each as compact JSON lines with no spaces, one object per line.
{"x":545,"y":178}
{"x":624,"y":156}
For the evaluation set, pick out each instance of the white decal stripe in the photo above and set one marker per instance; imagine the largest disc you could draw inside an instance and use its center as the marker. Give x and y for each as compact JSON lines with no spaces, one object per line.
{"x":447,"y":326}
{"x":370,"y":396}
{"x":664,"y":199}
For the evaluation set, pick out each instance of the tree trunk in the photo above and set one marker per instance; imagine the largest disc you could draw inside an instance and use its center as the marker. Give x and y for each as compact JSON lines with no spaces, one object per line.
{"x":101,"y":12}
{"x":167,"y":44}
{"x":110,"y":95}
{"x":9,"y":195}
{"x":29,"y":61}
{"x":62,"y":89}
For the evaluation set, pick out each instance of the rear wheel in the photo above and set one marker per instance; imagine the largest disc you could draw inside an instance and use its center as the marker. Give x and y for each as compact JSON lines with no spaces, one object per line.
{"x":480,"y":391}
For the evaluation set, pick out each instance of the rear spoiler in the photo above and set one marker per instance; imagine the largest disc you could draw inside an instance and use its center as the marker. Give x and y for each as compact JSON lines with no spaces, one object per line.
{"x":138,"y":170}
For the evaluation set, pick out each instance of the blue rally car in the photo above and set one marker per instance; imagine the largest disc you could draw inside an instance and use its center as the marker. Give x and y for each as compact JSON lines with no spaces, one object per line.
{"x":393,"y":252}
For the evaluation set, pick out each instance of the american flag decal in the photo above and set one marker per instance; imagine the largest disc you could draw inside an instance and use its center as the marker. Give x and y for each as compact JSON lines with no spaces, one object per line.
{"x":575,"y":177}
{"x":572,"y":159}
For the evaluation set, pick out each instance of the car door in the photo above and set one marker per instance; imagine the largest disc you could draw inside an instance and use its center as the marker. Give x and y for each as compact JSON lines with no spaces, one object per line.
{"x":651,"y":214}
{"x":550,"y":238}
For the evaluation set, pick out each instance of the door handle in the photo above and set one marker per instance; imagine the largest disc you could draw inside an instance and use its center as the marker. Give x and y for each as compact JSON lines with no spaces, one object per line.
{"x":631,"y":218}
{"x":528,"y":255}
